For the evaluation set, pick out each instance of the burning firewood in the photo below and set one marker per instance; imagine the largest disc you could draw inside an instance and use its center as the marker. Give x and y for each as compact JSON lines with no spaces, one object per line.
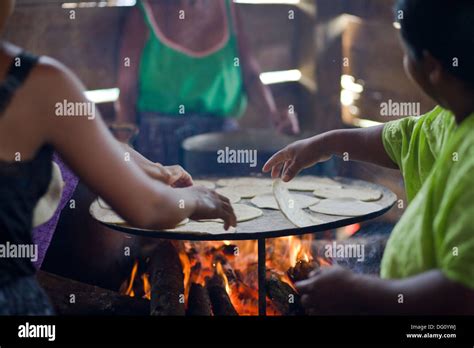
{"x":199,"y":303}
{"x":282,"y":295}
{"x":302,"y":269}
{"x":167,"y":281}
{"x":221,"y":304}
{"x":70,"y":297}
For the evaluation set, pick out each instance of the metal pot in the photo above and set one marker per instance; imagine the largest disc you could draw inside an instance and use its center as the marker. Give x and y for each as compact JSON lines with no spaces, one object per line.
{"x":239,"y":153}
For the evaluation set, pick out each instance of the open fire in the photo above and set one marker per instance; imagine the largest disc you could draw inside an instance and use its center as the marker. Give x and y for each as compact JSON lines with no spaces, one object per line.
{"x":232,"y":267}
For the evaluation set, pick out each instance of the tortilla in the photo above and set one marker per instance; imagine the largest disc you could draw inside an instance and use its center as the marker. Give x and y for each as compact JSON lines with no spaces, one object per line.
{"x":103,"y":204}
{"x":344,"y":207}
{"x":230,"y":194}
{"x":359,"y":193}
{"x":268,"y":201}
{"x":108,"y":216}
{"x":290,"y":207}
{"x":243,"y":191}
{"x":49,"y":202}
{"x":202,"y":227}
{"x":310,"y":183}
{"x":206,"y":183}
{"x":243,"y":212}
{"x":245,"y":181}
{"x":105,"y":215}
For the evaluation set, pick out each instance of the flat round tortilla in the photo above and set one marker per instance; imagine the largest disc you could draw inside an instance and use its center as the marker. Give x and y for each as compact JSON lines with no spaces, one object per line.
{"x":108,"y":216}
{"x":206,"y":183}
{"x":50,"y":201}
{"x":290,"y":208}
{"x":229,"y":193}
{"x":243,"y":212}
{"x":105,"y":215}
{"x":310,"y":183}
{"x":268,"y":201}
{"x":202,"y":227}
{"x":344,"y":207}
{"x":361,"y":194}
{"x":244,"y":191}
{"x":103,"y":204}
{"x":245,"y":181}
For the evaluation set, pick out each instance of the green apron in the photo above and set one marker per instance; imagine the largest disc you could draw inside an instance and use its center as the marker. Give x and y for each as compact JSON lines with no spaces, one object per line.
{"x":173,"y":82}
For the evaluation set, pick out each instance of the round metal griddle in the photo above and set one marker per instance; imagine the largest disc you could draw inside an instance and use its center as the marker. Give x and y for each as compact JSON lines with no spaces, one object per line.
{"x":272,"y":223}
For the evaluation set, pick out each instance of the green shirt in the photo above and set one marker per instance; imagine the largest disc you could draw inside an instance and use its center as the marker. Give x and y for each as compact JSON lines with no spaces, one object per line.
{"x":174,"y":81}
{"x":436,"y":158}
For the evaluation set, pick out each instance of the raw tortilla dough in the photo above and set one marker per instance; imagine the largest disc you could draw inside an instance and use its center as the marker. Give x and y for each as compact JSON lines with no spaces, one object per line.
{"x":226,"y":192}
{"x":108,"y":216}
{"x":310,"y":183}
{"x":203,"y":227}
{"x":102,"y":204}
{"x":268,"y":201}
{"x":206,"y":183}
{"x":49,"y":202}
{"x":243,"y":212}
{"x":344,"y":207}
{"x":245,"y":181}
{"x":290,"y":207}
{"x":362,"y":194}
{"x":244,"y":191}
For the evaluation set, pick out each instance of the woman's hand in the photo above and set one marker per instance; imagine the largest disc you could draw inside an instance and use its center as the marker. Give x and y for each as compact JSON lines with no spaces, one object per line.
{"x":174,"y":176}
{"x":178,"y":177}
{"x":302,"y":154}
{"x":211,"y":205}
{"x":329,"y":290}
{"x":287,"y":122}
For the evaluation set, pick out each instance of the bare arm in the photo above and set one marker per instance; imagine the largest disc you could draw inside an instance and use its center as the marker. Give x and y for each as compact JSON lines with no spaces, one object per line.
{"x":260,"y":94}
{"x":91,"y":151}
{"x":363,"y":144}
{"x":174,"y":176}
{"x":336,"y":291}
{"x":134,"y":36}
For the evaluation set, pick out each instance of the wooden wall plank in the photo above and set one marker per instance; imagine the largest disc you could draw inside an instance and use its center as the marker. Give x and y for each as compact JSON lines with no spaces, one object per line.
{"x":87,"y":44}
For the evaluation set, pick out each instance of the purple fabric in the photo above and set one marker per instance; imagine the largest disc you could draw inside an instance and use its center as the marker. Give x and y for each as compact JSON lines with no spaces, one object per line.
{"x":43,"y":234}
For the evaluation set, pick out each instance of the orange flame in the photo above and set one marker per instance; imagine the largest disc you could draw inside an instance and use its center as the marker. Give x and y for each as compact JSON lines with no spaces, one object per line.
{"x":146,"y":286}
{"x":129,"y":290}
{"x":186,"y":265}
{"x":220,"y":271}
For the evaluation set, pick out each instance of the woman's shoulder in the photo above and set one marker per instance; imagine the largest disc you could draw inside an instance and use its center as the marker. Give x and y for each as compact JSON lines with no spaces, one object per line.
{"x":50,"y":81}
{"x":51,"y":70}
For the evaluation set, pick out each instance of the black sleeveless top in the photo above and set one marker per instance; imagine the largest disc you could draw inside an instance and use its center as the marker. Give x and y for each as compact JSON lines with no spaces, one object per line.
{"x":22,"y":184}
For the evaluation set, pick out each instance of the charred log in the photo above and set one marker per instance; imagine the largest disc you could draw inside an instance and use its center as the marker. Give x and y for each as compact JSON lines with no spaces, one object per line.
{"x":199,"y":303}
{"x":282,"y":295}
{"x":302,"y":269}
{"x":70,"y":297}
{"x":221,"y":304}
{"x":167,"y":281}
